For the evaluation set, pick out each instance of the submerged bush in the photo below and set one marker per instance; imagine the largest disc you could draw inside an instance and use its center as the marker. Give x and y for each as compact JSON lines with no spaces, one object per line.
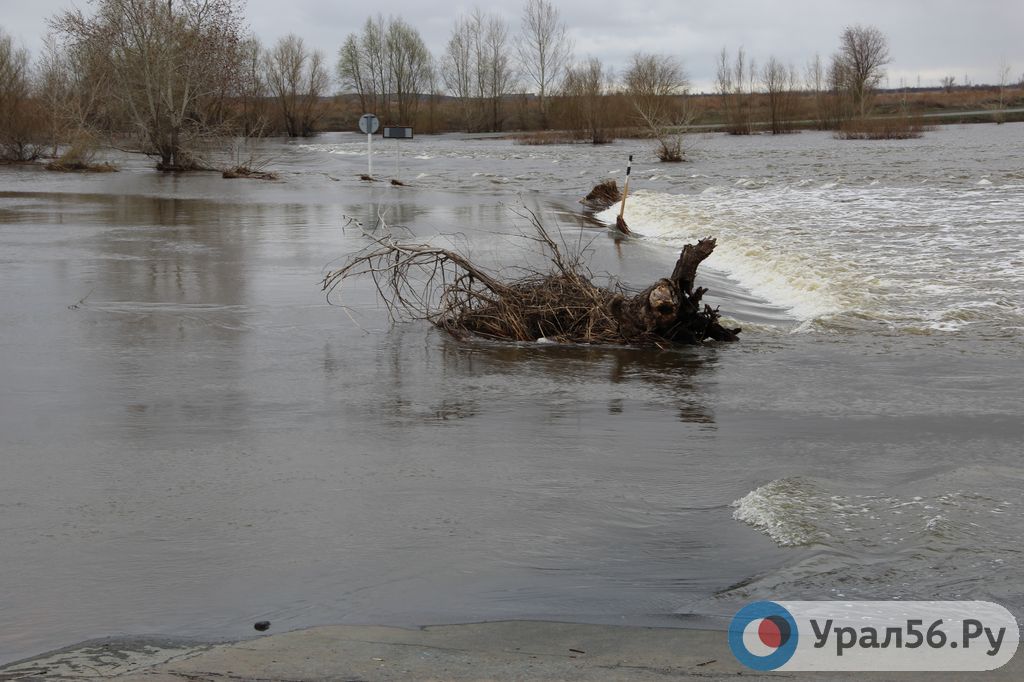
{"x":888,"y":128}
{"x":80,"y":157}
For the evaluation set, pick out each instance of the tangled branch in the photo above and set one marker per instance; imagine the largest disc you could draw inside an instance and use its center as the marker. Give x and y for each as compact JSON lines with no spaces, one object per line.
{"x":445,"y":288}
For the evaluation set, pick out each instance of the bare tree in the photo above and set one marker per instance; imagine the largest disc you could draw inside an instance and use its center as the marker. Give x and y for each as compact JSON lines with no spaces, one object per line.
{"x":20,"y":134}
{"x":353,"y":73}
{"x":477,"y":70}
{"x":72,"y":91}
{"x":863,"y":54}
{"x":362,"y":67}
{"x":656,"y":85}
{"x":544,"y":49}
{"x":585,"y":88}
{"x":296,"y":77}
{"x":499,"y":75}
{"x":779,"y":83}
{"x":252,"y":88}
{"x":52,"y":79}
{"x":1004,"y":80}
{"x":734,"y":82}
{"x":457,"y":68}
{"x":316,"y":84}
{"x":388,"y":66}
{"x":816,"y":82}
{"x":723,"y":81}
{"x":841,"y":104}
{"x":477,"y":22}
{"x":652,"y":80}
{"x":948,"y":83}
{"x":162,"y":60}
{"x":90,"y":113}
{"x":435,"y":93}
{"x":409,"y":64}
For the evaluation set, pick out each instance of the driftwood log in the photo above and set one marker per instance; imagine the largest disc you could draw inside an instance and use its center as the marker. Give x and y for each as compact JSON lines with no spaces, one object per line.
{"x":445,"y":288}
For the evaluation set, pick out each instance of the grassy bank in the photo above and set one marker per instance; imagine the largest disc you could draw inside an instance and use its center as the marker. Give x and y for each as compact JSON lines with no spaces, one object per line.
{"x":961,"y":105}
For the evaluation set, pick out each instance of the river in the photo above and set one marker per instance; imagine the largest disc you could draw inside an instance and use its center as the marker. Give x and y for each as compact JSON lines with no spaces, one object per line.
{"x":194,"y":439}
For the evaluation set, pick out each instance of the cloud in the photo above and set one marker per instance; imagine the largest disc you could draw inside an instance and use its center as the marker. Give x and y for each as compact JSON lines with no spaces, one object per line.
{"x":926,"y":37}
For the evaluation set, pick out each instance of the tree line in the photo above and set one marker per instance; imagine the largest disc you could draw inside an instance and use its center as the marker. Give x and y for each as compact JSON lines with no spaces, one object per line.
{"x":840,"y":91}
{"x":172,"y":78}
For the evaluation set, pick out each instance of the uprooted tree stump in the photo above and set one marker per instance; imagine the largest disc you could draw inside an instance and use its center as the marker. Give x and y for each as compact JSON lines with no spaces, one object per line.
{"x":445,"y":288}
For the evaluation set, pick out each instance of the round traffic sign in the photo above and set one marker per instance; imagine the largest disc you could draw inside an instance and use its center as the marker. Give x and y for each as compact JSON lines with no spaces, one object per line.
{"x":369,"y":123}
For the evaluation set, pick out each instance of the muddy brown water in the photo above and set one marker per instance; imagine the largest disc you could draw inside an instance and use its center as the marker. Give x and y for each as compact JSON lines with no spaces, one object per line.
{"x":192,"y":439}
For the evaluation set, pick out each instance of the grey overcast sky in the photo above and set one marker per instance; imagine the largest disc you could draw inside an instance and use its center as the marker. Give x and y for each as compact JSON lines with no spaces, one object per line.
{"x":928,"y":38}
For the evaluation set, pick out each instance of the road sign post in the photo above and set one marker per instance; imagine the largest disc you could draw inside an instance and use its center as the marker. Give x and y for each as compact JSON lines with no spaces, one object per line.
{"x":368,"y":123}
{"x":398,"y":133}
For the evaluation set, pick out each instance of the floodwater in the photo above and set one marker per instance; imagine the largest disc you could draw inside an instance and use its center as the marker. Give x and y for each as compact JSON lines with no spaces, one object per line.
{"x":193,"y":439}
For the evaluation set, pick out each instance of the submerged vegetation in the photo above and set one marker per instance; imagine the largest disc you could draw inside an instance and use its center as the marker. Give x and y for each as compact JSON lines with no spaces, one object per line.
{"x":247,"y":172}
{"x":603,"y":195}
{"x":80,"y":157}
{"x":883,"y":128}
{"x":65,"y":166}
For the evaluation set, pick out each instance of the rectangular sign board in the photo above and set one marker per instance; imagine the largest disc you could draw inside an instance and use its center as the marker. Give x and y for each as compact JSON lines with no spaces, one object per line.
{"x":398,"y":132}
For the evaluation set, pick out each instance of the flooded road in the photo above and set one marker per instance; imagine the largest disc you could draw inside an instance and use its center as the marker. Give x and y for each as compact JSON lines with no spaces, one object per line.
{"x":192,"y":439}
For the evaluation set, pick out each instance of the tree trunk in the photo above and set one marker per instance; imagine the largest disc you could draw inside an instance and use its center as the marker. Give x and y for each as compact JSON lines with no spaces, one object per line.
{"x":175,"y":140}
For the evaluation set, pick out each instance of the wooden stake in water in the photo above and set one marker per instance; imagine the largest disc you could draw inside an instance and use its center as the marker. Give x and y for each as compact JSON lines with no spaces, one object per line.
{"x":620,"y":221}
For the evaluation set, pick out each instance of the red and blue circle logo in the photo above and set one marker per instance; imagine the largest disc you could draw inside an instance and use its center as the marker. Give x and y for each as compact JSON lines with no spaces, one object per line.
{"x":763,"y":635}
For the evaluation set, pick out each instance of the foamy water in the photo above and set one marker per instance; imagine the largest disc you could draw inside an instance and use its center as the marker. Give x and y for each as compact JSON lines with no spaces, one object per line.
{"x":953,"y":534}
{"x":915,"y":236}
{"x":800,"y":511}
{"x":916,"y":258}
{"x":793,"y":279}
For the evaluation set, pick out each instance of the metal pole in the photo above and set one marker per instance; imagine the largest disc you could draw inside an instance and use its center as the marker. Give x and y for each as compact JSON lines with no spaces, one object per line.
{"x":369,"y":154}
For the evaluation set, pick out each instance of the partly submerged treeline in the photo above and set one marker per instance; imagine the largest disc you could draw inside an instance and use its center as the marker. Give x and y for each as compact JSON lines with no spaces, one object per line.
{"x":174,"y":78}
